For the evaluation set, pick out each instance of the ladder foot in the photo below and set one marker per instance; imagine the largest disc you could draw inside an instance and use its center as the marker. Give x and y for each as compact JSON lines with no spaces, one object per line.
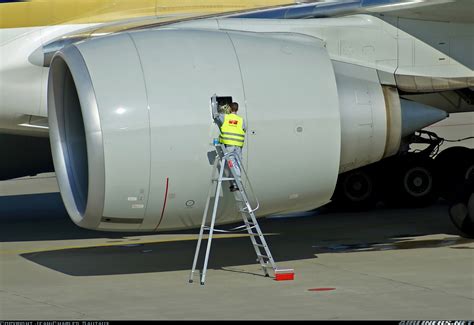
{"x":190,"y":281}
{"x":202,"y":283}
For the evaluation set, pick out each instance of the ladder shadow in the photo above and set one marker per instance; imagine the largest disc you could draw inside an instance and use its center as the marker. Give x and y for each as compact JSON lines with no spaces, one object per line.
{"x":289,"y":239}
{"x":260,"y":274}
{"x":133,"y":258}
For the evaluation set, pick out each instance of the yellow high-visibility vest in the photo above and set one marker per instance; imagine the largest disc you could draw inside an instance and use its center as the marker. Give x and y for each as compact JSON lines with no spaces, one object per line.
{"x":232,"y":132}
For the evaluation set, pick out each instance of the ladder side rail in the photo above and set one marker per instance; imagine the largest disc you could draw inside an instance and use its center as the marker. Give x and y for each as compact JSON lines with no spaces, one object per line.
{"x":264,"y":242}
{"x":212,"y":186}
{"x":247,"y":212}
{"x":213,"y":220}
{"x":259,"y":232}
{"x":255,"y":244}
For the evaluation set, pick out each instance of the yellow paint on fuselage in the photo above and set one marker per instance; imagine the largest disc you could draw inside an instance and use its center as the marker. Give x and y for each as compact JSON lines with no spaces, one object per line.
{"x":54,"y":12}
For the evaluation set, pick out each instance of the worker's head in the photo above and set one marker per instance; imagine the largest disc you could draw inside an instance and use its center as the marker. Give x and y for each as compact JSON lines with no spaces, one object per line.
{"x":234,"y":107}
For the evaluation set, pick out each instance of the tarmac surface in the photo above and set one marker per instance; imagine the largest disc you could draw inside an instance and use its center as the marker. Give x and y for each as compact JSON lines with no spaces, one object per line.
{"x":383,"y":264}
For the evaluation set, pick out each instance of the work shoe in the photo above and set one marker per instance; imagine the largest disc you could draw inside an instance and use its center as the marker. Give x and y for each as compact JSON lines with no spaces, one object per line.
{"x":233,"y":188}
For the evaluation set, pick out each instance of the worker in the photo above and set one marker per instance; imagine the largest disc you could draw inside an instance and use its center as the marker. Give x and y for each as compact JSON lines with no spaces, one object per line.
{"x":233,"y":129}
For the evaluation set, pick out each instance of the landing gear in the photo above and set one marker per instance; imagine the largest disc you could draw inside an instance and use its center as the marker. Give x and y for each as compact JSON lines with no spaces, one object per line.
{"x":415,"y":179}
{"x":356,"y":190}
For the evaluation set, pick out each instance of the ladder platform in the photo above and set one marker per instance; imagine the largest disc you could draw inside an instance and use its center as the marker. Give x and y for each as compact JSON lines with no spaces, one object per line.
{"x":284,"y":274}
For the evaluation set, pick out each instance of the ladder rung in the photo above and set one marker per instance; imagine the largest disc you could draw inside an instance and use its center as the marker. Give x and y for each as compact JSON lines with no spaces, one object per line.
{"x":260,"y":245}
{"x":264,"y":256}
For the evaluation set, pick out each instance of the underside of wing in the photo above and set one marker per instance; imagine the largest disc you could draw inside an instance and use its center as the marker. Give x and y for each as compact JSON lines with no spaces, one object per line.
{"x":460,"y":11}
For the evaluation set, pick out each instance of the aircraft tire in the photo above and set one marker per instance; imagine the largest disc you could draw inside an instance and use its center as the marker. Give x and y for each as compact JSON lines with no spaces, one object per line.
{"x":462,"y":216}
{"x":412,"y":183}
{"x":356,"y":190}
{"x":454,"y":167}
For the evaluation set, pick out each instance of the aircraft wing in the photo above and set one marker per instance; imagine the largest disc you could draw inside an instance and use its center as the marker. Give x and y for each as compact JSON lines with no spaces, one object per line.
{"x":461,"y":11}
{"x":444,"y":25}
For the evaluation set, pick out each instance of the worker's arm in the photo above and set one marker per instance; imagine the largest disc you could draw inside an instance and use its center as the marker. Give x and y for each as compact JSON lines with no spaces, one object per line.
{"x":218,"y":117}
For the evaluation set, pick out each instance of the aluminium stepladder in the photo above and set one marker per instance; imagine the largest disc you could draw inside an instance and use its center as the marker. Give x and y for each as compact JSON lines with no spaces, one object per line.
{"x":264,"y":256}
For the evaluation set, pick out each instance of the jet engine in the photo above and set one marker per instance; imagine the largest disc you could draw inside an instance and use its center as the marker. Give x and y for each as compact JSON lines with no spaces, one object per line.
{"x":131,"y":124}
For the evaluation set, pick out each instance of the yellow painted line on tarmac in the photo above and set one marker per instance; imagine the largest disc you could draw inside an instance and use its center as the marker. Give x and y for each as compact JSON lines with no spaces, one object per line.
{"x":124,"y":243}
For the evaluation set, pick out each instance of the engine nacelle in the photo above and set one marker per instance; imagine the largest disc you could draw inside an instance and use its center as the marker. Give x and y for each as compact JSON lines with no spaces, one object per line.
{"x":131,"y":125}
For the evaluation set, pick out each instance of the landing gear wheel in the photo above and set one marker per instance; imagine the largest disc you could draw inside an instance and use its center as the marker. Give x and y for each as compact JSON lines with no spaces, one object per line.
{"x":454,"y":167}
{"x":414,"y":184}
{"x":418,"y":182}
{"x":462,"y":216}
{"x":356,"y":190}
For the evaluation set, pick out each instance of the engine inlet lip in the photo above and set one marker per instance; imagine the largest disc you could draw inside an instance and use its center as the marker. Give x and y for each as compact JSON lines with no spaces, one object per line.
{"x":72,"y":59}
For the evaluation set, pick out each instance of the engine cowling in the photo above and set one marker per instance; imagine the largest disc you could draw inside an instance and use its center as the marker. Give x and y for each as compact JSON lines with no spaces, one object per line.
{"x":130,"y":124}
{"x":371,"y":116}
